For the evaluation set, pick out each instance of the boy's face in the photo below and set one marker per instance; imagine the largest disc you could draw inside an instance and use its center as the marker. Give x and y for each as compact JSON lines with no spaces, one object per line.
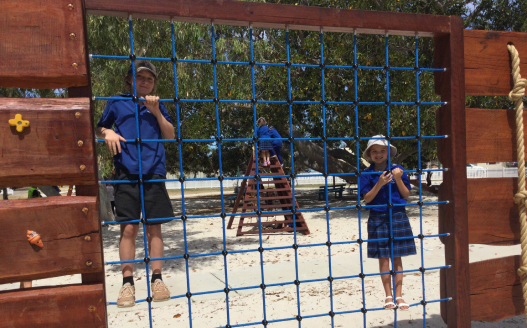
{"x":145,"y":83}
{"x":379,"y":154}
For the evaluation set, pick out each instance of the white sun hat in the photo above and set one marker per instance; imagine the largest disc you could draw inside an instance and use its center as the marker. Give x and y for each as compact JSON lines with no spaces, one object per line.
{"x":382,"y":142}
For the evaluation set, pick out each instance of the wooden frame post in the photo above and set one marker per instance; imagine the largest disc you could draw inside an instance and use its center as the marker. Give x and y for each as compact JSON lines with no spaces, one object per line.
{"x":450,"y":120}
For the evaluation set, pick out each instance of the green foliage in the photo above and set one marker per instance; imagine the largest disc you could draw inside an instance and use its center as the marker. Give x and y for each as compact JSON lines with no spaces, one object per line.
{"x":109,"y":35}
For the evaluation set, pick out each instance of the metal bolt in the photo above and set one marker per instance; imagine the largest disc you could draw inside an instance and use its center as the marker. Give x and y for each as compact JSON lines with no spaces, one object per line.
{"x":83,"y":167}
{"x":75,"y":65}
{"x":85,"y":210}
{"x":87,"y":238}
{"x":77,"y":114}
{"x":73,"y":36}
{"x":92,"y":308}
{"x":70,"y":6}
{"x":89,"y":263}
{"x":80,"y":143}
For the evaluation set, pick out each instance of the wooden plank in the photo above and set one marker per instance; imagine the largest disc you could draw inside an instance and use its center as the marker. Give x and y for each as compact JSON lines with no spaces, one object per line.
{"x":487,"y":61}
{"x":37,"y":49}
{"x":495,"y":289}
{"x":79,"y":306}
{"x":48,"y":151}
{"x":493,"y":218}
{"x":450,"y":120}
{"x":491,"y":135}
{"x":70,"y":236}
{"x":241,"y":13}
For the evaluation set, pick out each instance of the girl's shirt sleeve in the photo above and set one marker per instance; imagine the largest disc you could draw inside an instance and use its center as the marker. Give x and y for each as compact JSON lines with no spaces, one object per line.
{"x":405,"y":179}
{"x":108,"y":116}
{"x":365,"y":185}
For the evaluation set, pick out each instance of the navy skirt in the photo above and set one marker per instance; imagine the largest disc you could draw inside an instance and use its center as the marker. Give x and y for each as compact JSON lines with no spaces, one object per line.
{"x":379,"y":227}
{"x":265,"y":145}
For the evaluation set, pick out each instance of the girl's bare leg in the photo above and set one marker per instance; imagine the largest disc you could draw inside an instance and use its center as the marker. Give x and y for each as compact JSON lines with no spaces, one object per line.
{"x":384,"y":266}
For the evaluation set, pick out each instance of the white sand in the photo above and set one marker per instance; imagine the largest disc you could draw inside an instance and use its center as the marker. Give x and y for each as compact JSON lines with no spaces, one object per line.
{"x":243,"y":270}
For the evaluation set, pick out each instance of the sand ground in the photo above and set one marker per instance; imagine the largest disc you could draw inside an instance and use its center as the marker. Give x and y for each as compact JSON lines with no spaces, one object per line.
{"x":243,"y":269}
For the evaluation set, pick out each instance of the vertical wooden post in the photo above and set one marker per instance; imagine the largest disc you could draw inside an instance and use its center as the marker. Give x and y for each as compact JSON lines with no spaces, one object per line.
{"x":90,"y":190}
{"x":450,"y":120}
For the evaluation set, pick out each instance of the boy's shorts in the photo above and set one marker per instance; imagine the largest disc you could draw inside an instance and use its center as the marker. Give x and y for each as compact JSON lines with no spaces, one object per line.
{"x":128,"y":198}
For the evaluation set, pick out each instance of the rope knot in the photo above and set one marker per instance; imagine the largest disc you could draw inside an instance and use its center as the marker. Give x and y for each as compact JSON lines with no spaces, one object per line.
{"x":520,"y":198}
{"x":518,"y":91}
{"x":522,"y":272}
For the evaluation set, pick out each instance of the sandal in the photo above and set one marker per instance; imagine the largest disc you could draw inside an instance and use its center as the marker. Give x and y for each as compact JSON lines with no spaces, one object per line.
{"x":399,"y":305}
{"x":389,"y":303}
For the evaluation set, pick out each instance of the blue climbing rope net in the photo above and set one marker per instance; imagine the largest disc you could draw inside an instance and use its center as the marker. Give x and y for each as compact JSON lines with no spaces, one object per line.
{"x":223,"y":215}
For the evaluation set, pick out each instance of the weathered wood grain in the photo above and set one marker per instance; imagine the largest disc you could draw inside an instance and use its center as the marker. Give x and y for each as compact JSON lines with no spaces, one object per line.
{"x":491,"y":135}
{"x":450,"y":120}
{"x":243,"y":13}
{"x":493,"y":218}
{"x":487,"y":61}
{"x":79,"y":306}
{"x":70,"y":236}
{"x":47,"y":152}
{"x":37,"y":47}
{"x":495,"y":289}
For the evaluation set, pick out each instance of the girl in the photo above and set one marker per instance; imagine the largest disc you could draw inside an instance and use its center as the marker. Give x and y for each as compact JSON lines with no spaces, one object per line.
{"x":154,"y":123}
{"x":375,"y":189}
{"x":264,"y":146}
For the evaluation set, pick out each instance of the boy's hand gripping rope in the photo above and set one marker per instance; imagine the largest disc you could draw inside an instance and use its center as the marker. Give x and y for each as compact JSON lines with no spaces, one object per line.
{"x":520,"y":198}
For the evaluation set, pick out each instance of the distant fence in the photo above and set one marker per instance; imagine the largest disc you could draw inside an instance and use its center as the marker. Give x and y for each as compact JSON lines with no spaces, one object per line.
{"x":475,"y":173}
{"x":437,"y":177}
{"x":300,"y":181}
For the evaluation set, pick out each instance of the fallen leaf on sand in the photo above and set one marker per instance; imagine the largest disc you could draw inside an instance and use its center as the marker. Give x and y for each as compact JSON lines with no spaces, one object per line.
{"x":177,"y":315}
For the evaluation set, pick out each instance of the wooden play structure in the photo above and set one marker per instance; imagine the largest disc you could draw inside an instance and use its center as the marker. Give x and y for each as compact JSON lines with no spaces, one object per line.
{"x":278,"y":198}
{"x":43,"y":44}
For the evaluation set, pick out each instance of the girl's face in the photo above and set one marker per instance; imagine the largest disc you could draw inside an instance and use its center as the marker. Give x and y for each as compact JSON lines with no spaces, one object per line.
{"x":145,"y":83}
{"x":379,"y":154}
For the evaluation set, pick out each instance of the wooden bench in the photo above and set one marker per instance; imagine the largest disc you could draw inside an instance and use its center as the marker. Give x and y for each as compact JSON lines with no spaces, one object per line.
{"x":231,"y":200}
{"x":337,"y":189}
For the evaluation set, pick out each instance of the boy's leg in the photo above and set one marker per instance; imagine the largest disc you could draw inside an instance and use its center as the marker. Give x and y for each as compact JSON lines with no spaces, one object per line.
{"x":127,"y":247}
{"x":155,"y":246}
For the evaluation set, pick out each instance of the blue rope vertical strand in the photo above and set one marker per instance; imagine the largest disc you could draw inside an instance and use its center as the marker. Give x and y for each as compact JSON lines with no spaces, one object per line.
{"x":323,"y":103}
{"x":419,"y":166}
{"x":293,"y":200}
{"x":181,"y":174}
{"x":357,"y":131}
{"x":218,"y":144}
{"x":257,"y":181}
{"x":145,"y":241}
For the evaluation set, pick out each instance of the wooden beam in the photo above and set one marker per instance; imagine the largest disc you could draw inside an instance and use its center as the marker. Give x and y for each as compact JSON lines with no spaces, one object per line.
{"x":495,"y":289}
{"x":450,"y":120}
{"x":56,"y":148}
{"x":491,"y":135}
{"x":243,"y":13}
{"x":493,"y":217}
{"x":487,"y":61}
{"x":68,"y":227}
{"x":79,"y":306}
{"x":38,"y":49}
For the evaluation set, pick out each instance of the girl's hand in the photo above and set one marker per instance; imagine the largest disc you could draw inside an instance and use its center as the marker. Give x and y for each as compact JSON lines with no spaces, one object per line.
{"x":152,"y":103}
{"x":113,"y":141}
{"x":384,"y":178}
{"x":397,"y":173}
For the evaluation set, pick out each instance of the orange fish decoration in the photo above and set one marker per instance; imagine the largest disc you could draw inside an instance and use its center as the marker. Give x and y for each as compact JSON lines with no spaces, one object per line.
{"x":34,"y":238}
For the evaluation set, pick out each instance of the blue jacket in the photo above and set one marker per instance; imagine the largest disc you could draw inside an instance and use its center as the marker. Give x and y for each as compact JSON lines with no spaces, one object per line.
{"x":121,"y":114}
{"x":263,"y":132}
{"x":274,"y":134}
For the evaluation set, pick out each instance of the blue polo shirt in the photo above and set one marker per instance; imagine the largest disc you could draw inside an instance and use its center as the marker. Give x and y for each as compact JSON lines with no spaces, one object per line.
{"x":274,"y":134}
{"x":121,"y":114}
{"x":368,"y":181}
